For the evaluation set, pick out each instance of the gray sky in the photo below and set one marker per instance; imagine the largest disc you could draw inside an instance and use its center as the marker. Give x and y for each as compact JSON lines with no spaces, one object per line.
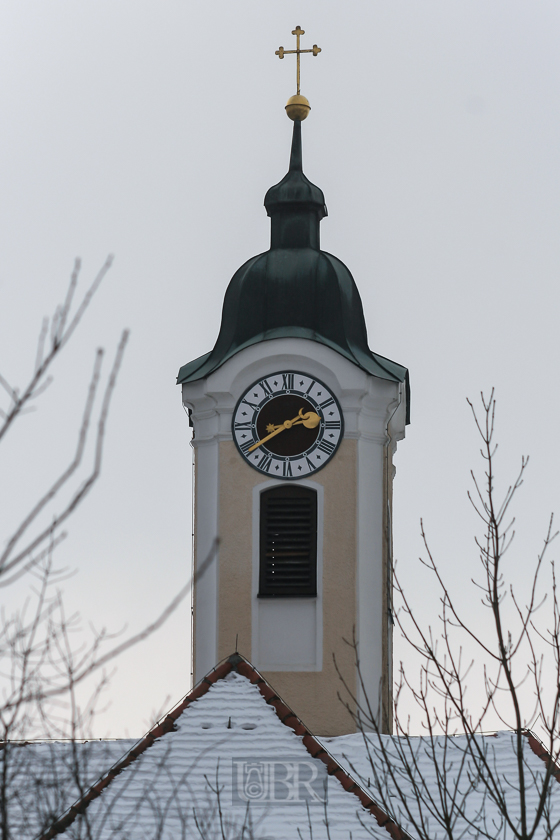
{"x":153,"y":130}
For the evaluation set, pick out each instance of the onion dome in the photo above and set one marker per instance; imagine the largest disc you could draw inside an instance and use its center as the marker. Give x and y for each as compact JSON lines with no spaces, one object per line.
{"x":294,"y":289}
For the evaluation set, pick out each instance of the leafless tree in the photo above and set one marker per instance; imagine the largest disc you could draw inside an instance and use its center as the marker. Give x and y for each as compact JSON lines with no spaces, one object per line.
{"x":45,"y":653}
{"x":42,"y":649}
{"x":456,"y":780}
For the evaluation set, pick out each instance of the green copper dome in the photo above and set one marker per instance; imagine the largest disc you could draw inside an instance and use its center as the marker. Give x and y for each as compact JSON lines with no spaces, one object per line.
{"x":294,"y":289}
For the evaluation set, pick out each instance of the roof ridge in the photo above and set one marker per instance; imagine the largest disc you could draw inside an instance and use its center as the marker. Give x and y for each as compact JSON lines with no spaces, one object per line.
{"x":316,"y":749}
{"x":238,"y":663}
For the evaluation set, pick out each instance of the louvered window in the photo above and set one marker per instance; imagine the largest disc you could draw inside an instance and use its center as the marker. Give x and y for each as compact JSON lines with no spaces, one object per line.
{"x":288,"y":543}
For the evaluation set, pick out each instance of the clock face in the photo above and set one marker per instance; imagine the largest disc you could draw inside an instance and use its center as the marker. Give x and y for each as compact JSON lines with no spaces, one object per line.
{"x":287,"y":425}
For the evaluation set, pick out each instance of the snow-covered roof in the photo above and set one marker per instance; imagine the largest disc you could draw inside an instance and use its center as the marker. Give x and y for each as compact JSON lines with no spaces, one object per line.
{"x":191,"y":775}
{"x":455,"y":786}
{"x":208,"y":770}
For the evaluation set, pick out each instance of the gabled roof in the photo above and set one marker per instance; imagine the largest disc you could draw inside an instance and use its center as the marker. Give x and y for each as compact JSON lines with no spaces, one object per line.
{"x":173,"y":774}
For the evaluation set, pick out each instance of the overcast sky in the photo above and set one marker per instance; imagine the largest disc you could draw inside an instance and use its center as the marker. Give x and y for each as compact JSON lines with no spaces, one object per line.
{"x":152,"y":130}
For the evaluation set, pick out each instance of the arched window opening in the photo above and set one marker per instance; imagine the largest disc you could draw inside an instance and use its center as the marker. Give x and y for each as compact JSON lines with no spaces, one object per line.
{"x":288,"y":542}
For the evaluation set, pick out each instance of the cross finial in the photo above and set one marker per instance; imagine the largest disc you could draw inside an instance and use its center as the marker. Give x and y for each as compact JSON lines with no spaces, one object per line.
{"x":281,"y":52}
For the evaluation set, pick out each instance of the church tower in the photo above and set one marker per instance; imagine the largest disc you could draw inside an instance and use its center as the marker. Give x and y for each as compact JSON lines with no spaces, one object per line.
{"x":295,"y":425}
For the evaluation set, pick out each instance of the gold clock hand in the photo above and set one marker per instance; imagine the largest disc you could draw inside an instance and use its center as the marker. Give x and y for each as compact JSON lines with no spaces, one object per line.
{"x":310,"y":420}
{"x":287,"y":424}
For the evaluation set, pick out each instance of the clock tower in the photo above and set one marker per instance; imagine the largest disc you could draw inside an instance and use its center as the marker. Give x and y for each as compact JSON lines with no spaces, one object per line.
{"x":295,"y":425}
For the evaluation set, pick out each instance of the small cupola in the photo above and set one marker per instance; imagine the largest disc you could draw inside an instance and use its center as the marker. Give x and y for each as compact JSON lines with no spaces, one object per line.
{"x":295,"y":205}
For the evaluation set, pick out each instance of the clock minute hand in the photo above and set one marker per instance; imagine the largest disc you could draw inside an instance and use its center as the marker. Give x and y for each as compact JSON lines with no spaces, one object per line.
{"x":309,"y":420}
{"x":287,"y":424}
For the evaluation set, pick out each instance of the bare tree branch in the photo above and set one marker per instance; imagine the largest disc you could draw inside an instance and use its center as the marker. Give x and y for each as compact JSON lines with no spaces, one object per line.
{"x":60,"y":334}
{"x":12,"y":556}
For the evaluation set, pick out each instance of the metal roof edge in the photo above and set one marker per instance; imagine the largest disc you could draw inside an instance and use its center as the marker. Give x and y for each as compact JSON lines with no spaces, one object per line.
{"x":382,"y":367}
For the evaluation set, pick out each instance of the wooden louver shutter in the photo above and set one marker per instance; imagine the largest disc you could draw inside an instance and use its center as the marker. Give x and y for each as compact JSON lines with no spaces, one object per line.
{"x":288,"y":542}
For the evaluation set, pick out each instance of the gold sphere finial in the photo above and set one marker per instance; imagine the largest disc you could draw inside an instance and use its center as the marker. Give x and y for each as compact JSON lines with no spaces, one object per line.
{"x":297,"y":107}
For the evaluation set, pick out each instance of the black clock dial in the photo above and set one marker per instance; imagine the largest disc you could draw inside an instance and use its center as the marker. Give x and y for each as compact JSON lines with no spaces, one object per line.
{"x":287,"y":425}
{"x":281,"y":408}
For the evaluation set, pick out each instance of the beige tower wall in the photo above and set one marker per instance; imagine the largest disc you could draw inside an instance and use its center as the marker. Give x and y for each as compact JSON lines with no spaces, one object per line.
{"x":313,"y":694}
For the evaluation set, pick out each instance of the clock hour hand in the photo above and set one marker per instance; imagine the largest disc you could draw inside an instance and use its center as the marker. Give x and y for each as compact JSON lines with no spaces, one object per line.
{"x":310,"y":420}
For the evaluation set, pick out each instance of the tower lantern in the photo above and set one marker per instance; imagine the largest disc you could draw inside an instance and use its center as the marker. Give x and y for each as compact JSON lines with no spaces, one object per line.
{"x":295,"y":424}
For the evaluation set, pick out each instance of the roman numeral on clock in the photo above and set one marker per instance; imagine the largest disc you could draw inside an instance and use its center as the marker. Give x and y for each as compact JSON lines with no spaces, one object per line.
{"x":310,"y":464}
{"x":250,"y":404}
{"x":287,"y":469}
{"x":265,"y":462}
{"x":288,"y":381}
{"x":327,"y":403}
{"x":246,"y":446}
{"x":327,"y":447}
{"x":265,"y":386}
{"x":332,"y":424}
{"x":310,"y":387}
{"x":243,"y":425}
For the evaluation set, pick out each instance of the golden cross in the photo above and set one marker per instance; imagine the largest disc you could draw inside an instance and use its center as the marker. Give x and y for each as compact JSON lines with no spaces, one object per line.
{"x":281,"y":52}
